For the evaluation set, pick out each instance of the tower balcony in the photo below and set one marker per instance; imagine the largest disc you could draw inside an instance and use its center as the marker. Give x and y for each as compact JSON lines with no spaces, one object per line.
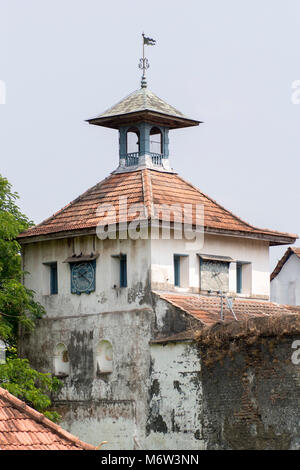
{"x":133,"y":158}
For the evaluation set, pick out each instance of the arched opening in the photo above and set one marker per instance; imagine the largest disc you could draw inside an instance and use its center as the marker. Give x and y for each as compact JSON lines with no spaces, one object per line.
{"x":61,"y":360}
{"x":133,"y":140}
{"x":104,"y":357}
{"x":156,"y":141}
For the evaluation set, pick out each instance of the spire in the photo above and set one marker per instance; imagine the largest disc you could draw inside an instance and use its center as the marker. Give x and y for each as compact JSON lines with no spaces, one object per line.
{"x":144,"y":63}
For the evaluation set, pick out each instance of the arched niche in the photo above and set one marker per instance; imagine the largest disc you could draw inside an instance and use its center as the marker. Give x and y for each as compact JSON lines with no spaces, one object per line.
{"x":156,"y":141}
{"x":104,"y":357}
{"x":61,"y":360}
{"x":132,"y":140}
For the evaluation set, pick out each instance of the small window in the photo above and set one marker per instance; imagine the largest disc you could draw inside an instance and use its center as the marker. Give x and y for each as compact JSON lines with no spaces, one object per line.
{"x":176,"y":270}
{"x":243,"y":277}
{"x":53,"y":279}
{"x":61,"y":360}
{"x":123,"y":271}
{"x":104,"y":357}
{"x":156,"y":141}
{"x":133,"y":140}
{"x":239,"y":279}
{"x":181,"y":270}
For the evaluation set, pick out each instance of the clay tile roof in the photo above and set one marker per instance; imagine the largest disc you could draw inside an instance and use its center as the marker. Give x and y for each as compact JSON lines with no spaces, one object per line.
{"x":289,"y":252}
{"x":23,"y":428}
{"x":148,"y":188}
{"x":138,"y":102}
{"x":207,"y":309}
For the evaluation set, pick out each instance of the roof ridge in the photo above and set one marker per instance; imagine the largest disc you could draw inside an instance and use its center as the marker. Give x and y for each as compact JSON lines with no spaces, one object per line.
{"x":147,"y":192}
{"x":40,"y":418}
{"x":288,"y":253}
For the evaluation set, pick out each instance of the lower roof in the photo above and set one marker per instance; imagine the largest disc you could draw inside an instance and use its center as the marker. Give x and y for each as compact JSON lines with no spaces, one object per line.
{"x":207,"y":308}
{"x":23,"y":428}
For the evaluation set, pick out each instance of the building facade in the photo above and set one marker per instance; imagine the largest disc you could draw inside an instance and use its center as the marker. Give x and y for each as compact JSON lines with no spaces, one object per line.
{"x":128,"y":272}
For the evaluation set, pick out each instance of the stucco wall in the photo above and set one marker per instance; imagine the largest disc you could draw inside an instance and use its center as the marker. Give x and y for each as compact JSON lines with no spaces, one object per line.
{"x":106,"y":297}
{"x":175,"y":407}
{"x":112,"y":406}
{"x":254,"y":251}
{"x":285,"y":288}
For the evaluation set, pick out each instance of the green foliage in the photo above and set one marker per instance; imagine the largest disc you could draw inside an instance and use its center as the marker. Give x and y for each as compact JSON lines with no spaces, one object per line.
{"x":17,"y":305}
{"x":31,"y":386}
{"x":18,"y":308}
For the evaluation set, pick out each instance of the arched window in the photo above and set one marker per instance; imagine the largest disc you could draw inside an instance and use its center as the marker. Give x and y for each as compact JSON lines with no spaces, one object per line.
{"x":104,"y":357}
{"x":61,"y":360}
{"x":133,"y":140}
{"x":156,"y":141}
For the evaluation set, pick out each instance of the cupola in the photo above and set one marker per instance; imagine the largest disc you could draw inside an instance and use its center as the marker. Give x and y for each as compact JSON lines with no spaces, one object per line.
{"x":143,"y":121}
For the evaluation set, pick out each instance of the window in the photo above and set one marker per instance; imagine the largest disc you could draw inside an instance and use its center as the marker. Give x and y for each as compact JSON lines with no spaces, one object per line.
{"x":61,"y":360}
{"x":53,"y":279}
{"x":181,"y":270}
{"x":119,"y":270}
{"x":156,"y":141}
{"x":104,"y":357}
{"x":214,"y":272}
{"x":49,"y":278}
{"x":243,"y":277}
{"x":123,"y":271}
{"x":239,"y":279}
{"x":133,"y":140}
{"x":176,"y":270}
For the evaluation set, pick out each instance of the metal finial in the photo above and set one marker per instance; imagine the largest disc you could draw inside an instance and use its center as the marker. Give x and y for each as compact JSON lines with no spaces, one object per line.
{"x":144,"y":63}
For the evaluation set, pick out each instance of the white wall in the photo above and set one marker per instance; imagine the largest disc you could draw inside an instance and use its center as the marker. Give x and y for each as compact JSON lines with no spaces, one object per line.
{"x":285,"y":288}
{"x":174,"y":421}
{"x":241,"y":249}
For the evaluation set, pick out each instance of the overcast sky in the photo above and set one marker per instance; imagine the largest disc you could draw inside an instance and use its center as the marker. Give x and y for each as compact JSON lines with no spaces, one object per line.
{"x":228,"y":63}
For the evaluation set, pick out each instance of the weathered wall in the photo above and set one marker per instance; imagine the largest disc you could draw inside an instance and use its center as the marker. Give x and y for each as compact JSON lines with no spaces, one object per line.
{"x":175,"y":398}
{"x":111,"y":406}
{"x":105,"y":298}
{"x":251,"y":397}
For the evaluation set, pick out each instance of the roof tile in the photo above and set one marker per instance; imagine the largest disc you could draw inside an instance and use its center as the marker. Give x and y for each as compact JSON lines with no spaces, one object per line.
{"x":23,"y":428}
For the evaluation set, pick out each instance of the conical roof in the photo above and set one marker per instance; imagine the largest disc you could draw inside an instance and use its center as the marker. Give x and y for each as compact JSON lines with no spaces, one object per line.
{"x":148,"y":188}
{"x":142,"y":104}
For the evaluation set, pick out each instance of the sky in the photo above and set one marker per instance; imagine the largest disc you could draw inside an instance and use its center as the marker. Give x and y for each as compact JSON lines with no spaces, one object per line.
{"x":229,"y":64}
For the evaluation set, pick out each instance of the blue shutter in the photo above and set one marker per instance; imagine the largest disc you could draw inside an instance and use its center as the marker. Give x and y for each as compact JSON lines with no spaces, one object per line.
{"x":53,"y":279}
{"x":239,"y":287}
{"x":123,"y":271}
{"x":176,"y":270}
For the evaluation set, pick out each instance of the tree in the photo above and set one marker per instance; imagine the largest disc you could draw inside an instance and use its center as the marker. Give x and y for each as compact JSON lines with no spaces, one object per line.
{"x":18,"y":307}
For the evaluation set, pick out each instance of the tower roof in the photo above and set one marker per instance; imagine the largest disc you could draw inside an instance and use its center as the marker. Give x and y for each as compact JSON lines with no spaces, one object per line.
{"x":143,"y":105}
{"x":148,"y":188}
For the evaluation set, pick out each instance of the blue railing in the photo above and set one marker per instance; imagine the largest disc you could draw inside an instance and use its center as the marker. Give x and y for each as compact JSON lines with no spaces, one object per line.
{"x":132,"y":159}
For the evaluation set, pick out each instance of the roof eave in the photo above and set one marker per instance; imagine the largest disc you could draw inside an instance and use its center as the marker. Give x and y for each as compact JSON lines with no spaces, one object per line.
{"x":148,"y":115}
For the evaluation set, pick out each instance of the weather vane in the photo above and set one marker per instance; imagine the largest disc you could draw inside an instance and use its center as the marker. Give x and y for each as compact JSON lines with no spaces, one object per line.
{"x":144,"y":63}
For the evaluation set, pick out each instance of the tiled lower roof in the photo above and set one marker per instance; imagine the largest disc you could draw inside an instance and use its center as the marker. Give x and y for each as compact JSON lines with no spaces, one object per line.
{"x":207,"y":308}
{"x":23,"y":428}
{"x":289,"y":252}
{"x":148,"y":188}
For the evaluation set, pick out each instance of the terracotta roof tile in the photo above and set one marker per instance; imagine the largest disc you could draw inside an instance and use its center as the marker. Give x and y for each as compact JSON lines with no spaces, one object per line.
{"x":147,"y":188}
{"x":207,"y":308}
{"x":23,"y":428}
